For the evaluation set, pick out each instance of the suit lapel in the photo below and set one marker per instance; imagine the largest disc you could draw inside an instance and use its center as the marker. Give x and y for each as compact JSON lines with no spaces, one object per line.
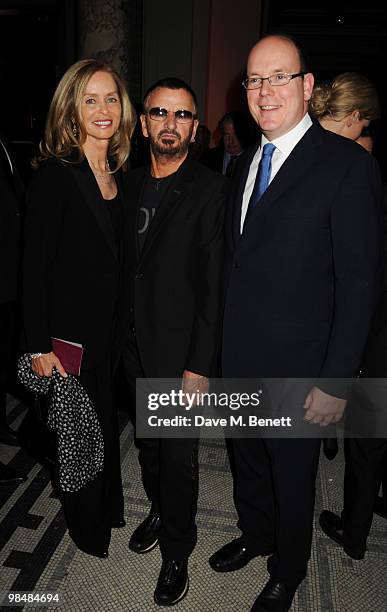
{"x":93,"y":198}
{"x":173,"y":197}
{"x":296,"y":166}
{"x":11,"y":174}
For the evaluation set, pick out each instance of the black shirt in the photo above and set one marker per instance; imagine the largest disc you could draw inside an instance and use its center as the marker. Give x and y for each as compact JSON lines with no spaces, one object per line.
{"x":153,"y":192}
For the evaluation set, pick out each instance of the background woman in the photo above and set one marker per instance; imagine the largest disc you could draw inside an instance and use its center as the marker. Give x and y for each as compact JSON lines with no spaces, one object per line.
{"x":73,"y":262}
{"x":346,"y":105}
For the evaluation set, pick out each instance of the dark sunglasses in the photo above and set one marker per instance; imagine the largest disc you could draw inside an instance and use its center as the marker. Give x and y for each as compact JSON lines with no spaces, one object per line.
{"x":160,"y":114}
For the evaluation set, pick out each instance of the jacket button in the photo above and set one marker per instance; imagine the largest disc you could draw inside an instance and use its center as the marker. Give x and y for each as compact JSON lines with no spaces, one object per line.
{"x":138,"y":276}
{"x":236,"y":264}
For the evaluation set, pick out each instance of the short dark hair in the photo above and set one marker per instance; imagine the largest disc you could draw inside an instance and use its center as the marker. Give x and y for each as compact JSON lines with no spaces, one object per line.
{"x":170,"y":83}
{"x":244,"y":128}
{"x":302,"y":55}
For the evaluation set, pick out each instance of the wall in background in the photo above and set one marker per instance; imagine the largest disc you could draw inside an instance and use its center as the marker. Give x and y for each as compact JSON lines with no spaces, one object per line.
{"x":175,"y":43}
{"x":234,"y":28}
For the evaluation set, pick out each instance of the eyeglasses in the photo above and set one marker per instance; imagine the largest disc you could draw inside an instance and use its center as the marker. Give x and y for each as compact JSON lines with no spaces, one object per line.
{"x":275,"y":80}
{"x":160,"y":114}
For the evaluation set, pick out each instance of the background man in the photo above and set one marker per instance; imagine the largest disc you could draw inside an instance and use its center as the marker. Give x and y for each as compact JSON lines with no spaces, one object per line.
{"x":10,"y":195}
{"x":175,"y":261}
{"x":235,"y":137}
{"x":303,"y":267}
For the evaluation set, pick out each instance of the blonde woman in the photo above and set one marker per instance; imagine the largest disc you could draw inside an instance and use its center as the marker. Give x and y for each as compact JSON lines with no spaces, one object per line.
{"x":73,"y":261}
{"x":346,"y":105}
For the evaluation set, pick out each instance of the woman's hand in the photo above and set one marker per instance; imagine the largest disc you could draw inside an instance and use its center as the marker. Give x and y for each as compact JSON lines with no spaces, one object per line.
{"x":43,"y":365}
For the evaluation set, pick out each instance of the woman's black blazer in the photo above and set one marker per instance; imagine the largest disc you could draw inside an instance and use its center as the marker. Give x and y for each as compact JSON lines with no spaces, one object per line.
{"x":71,"y":270}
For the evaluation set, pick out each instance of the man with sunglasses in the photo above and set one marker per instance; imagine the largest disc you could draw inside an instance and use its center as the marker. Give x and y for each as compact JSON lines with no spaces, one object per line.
{"x":175,"y":262}
{"x":303,"y":269}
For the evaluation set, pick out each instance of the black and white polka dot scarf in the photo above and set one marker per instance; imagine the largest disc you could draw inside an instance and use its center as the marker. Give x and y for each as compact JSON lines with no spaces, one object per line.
{"x":72,"y":417}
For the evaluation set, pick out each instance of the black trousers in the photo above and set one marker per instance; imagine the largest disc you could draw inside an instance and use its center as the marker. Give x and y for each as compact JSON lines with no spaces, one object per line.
{"x":7,"y":321}
{"x":169,"y":469}
{"x":274,"y":495}
{"x":365,"y":462}
{"x":384,"y":481}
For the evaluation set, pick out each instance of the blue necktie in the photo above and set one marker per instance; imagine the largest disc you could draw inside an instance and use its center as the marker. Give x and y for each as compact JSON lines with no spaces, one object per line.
{"x":263,"y":176}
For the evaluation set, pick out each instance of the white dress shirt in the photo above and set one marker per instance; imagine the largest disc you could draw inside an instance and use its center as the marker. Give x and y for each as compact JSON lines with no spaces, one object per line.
{"x":284,"y":145}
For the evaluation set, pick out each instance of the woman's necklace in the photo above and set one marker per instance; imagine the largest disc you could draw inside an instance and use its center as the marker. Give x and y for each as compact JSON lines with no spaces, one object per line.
{"x":105,"y":176}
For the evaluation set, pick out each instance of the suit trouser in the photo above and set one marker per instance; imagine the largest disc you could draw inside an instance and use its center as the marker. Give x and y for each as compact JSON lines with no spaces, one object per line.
{"x":274,"y":497}
{"x":384,"y":481}
{"x":364,"y":460}
{"x":169,"y":469}
{"x":7,"y":317}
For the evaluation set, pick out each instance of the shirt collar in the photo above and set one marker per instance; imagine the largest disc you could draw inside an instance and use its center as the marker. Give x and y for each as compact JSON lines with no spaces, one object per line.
{"x":288,"y":141}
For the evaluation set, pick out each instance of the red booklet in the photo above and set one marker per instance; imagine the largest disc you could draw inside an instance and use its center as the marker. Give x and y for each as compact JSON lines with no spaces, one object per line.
{"x":69,"y":353}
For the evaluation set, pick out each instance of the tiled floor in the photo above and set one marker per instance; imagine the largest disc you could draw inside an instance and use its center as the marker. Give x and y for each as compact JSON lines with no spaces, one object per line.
{"x":37,"y":555}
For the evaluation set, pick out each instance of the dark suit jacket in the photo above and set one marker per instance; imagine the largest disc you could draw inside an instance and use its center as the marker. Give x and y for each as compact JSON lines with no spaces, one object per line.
{"x":175,"y":283}
{"x":374,"y":363}
{"x":71,"y":271}
{"x":213,"y":159}
{"x":303,"y":278}
{"x":11,"y":191}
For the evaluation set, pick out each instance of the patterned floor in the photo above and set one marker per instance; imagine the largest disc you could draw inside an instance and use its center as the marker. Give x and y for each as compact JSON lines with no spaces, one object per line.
{"x":37,"y":555}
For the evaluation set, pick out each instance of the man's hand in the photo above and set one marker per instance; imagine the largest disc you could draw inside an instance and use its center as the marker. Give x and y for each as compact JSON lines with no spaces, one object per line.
{"x":193,"y":383}
{"x":323,"y":408}
{"x":43,"y":365}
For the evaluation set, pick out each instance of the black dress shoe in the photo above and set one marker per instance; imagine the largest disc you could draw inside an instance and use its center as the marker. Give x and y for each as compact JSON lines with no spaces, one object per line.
{"x":172,"y":584}
{"x":330,"y":448}
{"x":119,"y":524}
{"x":275,"y":597}
{"x":8,"y":476}
{"x":332,"y":526}
{"x":8,"y":435}
{"x":380,"y":507}
{"x":146,"y":536}
{"x":101,"y":555}
{"x":233,"y":556}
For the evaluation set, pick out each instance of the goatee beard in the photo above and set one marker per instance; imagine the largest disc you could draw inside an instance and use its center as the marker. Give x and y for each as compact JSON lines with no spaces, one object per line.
{"x":170,"y":148}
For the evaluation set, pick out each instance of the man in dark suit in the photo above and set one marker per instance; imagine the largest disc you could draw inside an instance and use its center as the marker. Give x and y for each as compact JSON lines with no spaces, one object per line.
{"x":10,"y":196}
{"x":174,"y":266}
{"x":235,"y":137}
{"x":365,"y":449}
{"x":303,"y":268}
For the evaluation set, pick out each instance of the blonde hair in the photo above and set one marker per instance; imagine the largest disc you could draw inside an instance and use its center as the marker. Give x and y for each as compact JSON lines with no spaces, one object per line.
{"x":347,"y":92}
{"x":64,"y":131}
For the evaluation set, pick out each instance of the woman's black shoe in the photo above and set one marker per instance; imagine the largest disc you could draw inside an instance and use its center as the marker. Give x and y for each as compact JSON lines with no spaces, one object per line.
{"x":332,"y":526}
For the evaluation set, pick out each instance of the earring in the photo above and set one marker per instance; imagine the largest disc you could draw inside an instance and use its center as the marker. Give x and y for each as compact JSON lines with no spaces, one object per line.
{"x":75,"y":128}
